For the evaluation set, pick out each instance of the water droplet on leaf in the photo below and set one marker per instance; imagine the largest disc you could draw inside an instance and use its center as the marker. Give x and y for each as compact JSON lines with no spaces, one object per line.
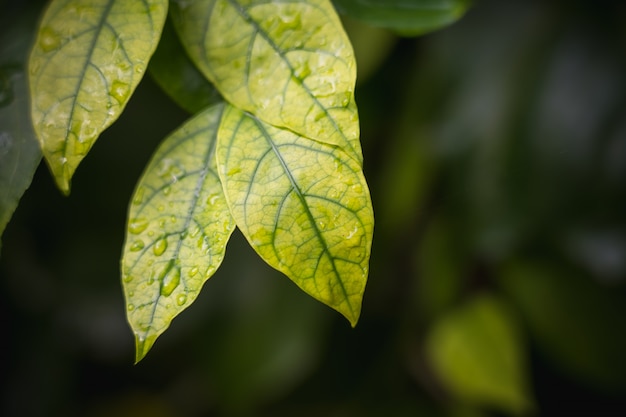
{"x":160,"y":246}
{"x":170,"y":279}
{"x":181,"y":299}
{"x":137,"y":245}
{"x":137,"y":225}
{"x":49,"y":40}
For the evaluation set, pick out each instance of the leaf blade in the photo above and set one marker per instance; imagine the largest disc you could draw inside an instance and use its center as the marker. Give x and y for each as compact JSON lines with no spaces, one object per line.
{"x":178,"y":228}
{"x":291,"y":64}
{"x":19,"y":150}
{"x":304,"y":206}
{"x":178,"y":77}
{"x":406,"y":17}
{"x":86,"y":62}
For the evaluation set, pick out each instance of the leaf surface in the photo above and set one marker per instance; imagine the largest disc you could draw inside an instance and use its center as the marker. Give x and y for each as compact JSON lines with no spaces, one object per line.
{"x":19,"y":150}
{"x":407,"y":17}
{"x":477,"y":352}
{"x":88,"y":58}
{"x":178,"y":228}
{"x":303,"y":205}
{"x":289,"y":63}
{"x":176,"y":74}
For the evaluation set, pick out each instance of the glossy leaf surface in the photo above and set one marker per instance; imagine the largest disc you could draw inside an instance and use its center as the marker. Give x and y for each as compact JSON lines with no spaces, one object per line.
{"x":407,"y":17}
{"x":19,"y":150}
{"x":178,"y":228}
{"x":289,"y":63}
{"x":86,"y":61}
{"x":174,"y":72}
{"x":304,"y":206}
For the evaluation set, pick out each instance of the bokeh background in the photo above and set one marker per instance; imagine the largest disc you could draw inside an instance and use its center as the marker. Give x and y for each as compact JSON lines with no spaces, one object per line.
{"x":495,"y":150}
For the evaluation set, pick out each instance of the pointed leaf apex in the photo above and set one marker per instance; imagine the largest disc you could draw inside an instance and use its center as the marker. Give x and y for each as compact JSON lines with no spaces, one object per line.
{"x":143,"y":345}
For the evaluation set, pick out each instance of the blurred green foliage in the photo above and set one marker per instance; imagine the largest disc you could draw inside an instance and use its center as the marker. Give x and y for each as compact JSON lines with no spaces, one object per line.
{"x":495,"y":151}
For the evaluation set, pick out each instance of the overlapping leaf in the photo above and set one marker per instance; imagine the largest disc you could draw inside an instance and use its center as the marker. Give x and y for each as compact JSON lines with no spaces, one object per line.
{"x":289,"y":63}
{"x":179,"y":224}
{"x":303,"y":205}
{"x":19,"y":150}
{"x":174,"y":72}
{"x":86,"y":61}
{"x":407,"y":17}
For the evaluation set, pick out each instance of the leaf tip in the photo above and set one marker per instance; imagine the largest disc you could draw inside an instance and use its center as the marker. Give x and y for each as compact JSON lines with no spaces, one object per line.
{"x":143,"y":345}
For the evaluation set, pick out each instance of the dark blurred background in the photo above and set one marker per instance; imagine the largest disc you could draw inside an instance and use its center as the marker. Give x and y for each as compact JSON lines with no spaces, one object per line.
{"x":495,"y":150}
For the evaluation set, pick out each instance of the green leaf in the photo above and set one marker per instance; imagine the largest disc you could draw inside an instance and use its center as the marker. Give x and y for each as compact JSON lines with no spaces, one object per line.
{"x":289,"y":63}
{"x":406,"y":17}
{"x":19,"y":149}
{"x":87,"y":60}
{"x":178,"y":228}
{"x":476,"y":351}
{"x":174,"y":72}
{"x":304,"y":206}
{"x":576,"y":322}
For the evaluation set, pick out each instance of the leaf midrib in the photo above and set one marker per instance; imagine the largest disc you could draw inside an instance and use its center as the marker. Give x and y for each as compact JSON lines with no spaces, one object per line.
{"x":258,"y":30}
{"x":301,"y":197}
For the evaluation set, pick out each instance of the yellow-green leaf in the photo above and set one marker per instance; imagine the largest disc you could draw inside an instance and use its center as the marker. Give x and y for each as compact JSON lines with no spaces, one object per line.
{"x":289,"y":63}
{"x":477,"y":352}
{"x":303,"y":205}
{"x":178,"y":227}
{"x":87,"y":60}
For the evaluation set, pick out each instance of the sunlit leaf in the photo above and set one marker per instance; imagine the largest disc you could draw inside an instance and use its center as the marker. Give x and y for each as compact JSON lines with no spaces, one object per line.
{"x":304,"y":206}
{"x":477,"y":352}
{"x":178,"y":227}
{"x":86,"y":61}
{"x":174,"y":72}
{"x":407,"y":17}
{"x":289,"y":63}
{"x":19,"y":150}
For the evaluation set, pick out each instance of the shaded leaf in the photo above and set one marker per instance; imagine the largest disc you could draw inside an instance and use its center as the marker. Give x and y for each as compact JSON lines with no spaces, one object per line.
{"x":289,"y":63}
{"x":178,"y":228}
{"x":407,"y":17}
{"x":575,"y":321}
{"x":476,"y":351}
{"x":86,"y":62}
{"x":304,"y":206}
{"x":174,"y":72}
{"x":19,"y":150}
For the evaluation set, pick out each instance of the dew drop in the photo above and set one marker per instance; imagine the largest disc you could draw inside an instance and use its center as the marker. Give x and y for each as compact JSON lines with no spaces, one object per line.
{"x":137,"y":225}
{"x":137,"y":245}
{"x":181,"y":299}
{"x":119,"y":91}
{"x":209,"y":271}
{"x":167,"y":190}
{"x":130,"y":307}
{"x":49,"y":40}
{"x":212,"y":199}
{"x":160,"y":246}
{"x":139,"y":195}
{"x":194,"y":231}
{"x":127,"y":278}
{"x":170,"y":279}
{"x":193,"y":271}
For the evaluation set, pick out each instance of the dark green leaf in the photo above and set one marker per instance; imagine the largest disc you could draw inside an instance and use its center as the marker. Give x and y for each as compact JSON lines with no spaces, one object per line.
{"x":407,"y":17}
{"x":174,"y":72}
{"x":19,"y":150}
